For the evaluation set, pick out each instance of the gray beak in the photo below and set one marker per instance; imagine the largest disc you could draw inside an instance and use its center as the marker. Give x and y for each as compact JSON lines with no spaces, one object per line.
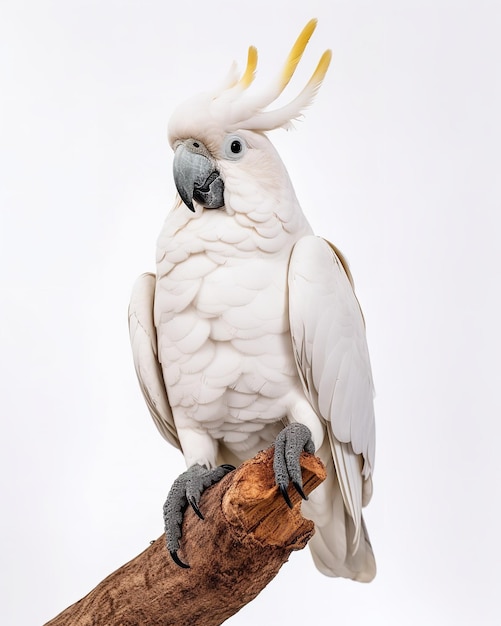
{"x":196,"y":176}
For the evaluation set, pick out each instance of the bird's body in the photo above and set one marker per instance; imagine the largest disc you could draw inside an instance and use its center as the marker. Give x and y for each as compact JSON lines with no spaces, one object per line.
{"x":221,"y":313}
{"x":251,"y":322}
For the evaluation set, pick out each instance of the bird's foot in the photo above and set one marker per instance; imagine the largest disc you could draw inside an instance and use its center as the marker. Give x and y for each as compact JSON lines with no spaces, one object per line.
{"x":289,"y":444}
{"x":187,"y":490}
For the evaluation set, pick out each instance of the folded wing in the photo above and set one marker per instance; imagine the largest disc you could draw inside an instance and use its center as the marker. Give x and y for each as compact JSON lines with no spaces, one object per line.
{"x":330,"y":347}
{"x":143,"y":338}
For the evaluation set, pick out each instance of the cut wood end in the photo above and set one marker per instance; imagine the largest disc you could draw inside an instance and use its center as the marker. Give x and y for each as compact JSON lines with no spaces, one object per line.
{"x":254,"y":505}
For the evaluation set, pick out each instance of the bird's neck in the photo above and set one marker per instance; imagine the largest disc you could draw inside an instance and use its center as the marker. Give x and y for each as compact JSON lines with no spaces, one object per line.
{"x":267,"y":227}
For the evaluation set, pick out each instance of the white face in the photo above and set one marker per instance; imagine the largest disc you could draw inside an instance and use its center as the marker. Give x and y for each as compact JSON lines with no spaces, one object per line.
{"x":255,"y":176}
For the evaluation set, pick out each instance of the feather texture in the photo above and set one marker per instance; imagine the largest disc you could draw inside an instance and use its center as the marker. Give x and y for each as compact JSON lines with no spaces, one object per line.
{"x":328,"y":335}
{"x":143,"y":338}
{"x":242,"y":110}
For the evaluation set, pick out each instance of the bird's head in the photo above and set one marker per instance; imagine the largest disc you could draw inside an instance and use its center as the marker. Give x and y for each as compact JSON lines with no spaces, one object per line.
{"x":219,"y":139}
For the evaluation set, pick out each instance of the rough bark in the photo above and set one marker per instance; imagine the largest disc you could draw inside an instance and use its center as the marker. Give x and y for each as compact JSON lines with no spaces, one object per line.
{"x":247,"y":535}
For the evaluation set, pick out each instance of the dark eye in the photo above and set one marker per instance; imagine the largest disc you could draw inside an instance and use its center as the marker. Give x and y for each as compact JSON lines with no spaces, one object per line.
{"x":234,"y":147}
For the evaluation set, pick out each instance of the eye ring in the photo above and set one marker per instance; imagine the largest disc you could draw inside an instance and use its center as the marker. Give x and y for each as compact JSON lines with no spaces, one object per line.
{"x":234,"y":147}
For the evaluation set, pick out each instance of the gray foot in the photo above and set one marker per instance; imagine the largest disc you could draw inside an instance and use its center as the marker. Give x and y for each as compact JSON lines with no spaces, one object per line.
{"x":289,"y":444}
{"x":187,"y":490}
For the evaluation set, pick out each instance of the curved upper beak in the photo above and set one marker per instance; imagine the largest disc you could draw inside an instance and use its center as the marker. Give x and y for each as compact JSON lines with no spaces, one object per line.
{"x":196,"y":175}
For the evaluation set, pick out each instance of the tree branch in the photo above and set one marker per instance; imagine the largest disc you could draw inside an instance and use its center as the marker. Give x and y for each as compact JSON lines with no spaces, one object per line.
{"x":248,"y":534}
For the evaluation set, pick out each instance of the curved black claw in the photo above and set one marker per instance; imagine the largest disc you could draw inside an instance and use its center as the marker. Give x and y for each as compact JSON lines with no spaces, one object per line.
{"x":299,"y":489}
{"x":178,"y":561}
{"x":285,"y":494}
{"x":194,"y":506}
{"x":289,"y":444}
{"x":186,"y":490}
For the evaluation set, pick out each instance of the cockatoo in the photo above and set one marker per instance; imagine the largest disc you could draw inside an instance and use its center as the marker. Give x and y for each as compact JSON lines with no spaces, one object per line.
{"x":250,"y":333}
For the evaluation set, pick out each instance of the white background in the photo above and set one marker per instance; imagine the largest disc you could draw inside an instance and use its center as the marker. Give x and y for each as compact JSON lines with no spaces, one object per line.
{"x":398,"y":162}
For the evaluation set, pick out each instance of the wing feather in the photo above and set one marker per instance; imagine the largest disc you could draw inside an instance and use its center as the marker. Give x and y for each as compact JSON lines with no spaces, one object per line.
{"x":328,"y":335}
{"x":143,"y":338}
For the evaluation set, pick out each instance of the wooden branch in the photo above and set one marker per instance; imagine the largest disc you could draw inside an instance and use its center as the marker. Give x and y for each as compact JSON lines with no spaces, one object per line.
{"x":247,"y":535}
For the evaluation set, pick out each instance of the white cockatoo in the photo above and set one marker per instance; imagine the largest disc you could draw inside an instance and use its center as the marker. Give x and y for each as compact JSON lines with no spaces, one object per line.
{"x":250,"y":333}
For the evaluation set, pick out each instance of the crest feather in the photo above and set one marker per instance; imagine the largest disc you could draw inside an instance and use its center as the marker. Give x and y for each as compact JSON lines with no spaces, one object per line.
{"x":248,"y":111}
{"x":250,"y":70}
{"x":283,"y":117}
{"x":233,"y":106}
{"x":296,"y":53}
